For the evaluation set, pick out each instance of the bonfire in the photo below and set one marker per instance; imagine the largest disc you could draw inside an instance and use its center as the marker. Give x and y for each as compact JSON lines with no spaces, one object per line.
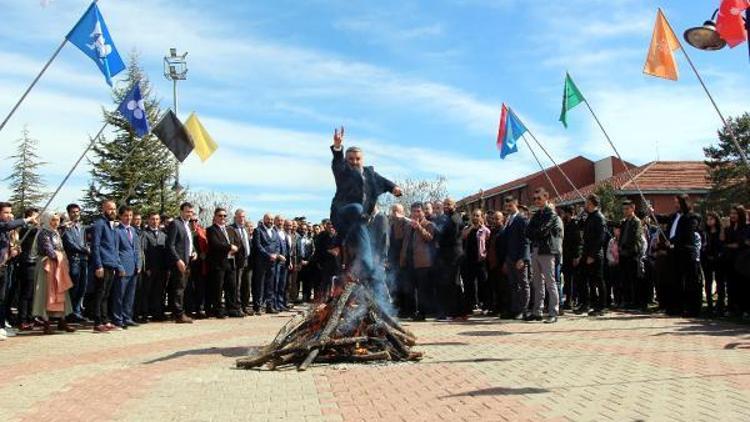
{"x":352,"y":326}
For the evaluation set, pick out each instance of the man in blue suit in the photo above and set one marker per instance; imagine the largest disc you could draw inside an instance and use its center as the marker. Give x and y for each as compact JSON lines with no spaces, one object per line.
{"x":129,"y":251}
{"x":181,"y":251}
{"x":77,"y":252}
{"x":357,"y":190}
{"x":266,"y":248}
{"x":281,"y":272}
{"x":105,"y":262}
{"x":516,"y":259}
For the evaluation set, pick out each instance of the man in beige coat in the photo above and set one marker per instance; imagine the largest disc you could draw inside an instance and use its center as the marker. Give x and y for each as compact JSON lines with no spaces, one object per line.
{"x":417,"y":259}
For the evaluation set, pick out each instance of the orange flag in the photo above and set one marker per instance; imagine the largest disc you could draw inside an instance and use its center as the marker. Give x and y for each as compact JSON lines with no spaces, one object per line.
{"x":660,"y":61}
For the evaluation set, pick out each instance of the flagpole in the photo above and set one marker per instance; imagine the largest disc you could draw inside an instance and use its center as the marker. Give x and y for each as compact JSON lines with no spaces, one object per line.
{"x":729,"y":129}
{"x":580,"y":195}
{"x":67,"y":176}
{"x":544,"y":170}
{"x":36,"y":79}
{"x":627,"y":169}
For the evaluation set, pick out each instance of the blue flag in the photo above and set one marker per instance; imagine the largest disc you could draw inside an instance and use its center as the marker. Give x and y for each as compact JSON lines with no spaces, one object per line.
{"x":510,"y":130}
{"x":133,"y":108}
{"x":91,"y":36}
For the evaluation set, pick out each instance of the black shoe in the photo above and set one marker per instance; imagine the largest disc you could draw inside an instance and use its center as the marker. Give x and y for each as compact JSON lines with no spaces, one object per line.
{"x":518,"y":317}
{"x":418,"y":317}
{"x":159,"y":318}
{"x":270,"y":310}
{"x":533,"y":318}
{"x":550,"y":320}
{"x":75,"y":319}
{"x":236,"y":314}
{"x":132,"y":324}
{"x":596,"y":313}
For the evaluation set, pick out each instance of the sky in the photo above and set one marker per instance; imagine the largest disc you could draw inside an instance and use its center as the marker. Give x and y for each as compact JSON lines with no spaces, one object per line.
{"x":417,"y":84}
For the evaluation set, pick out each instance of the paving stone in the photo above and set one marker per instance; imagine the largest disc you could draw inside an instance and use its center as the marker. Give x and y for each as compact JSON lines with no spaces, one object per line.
{"x":614,"y":368}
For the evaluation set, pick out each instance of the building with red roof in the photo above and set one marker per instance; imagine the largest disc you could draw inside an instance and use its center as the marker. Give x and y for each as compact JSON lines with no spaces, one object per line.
{"x":660,"y":181}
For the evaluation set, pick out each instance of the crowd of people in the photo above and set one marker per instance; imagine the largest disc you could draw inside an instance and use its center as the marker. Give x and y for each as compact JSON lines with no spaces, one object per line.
{"x":521,"y":263}
{"x":525,"y":262}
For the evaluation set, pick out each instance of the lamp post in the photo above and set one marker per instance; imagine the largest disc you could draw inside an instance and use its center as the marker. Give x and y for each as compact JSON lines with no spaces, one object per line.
{"x":705,"y":37}
{"x":175,"y":69}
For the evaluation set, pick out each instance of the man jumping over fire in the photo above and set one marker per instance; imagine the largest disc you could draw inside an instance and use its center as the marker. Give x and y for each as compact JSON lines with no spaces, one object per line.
{"x":354,"y":324}
{"x":357,"y":190}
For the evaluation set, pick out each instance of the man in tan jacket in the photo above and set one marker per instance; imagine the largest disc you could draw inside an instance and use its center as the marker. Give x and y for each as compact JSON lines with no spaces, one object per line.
{"x":417,"y":259}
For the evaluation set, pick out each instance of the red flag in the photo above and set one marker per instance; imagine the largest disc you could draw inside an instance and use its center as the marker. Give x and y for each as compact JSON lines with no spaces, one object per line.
{"x":730,"y":24}
{"x":502,"y":129}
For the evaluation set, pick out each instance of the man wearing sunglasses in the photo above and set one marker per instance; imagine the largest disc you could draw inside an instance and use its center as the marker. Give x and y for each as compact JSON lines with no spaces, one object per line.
{"x":545,"y":232}
{"x":223,"y":245}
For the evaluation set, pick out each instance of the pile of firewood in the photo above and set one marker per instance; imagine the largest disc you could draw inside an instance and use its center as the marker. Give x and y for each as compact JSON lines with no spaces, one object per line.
{"x":352,"y":326}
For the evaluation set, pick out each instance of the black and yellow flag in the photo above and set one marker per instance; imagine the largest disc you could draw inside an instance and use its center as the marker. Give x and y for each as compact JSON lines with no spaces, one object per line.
{"x":173,"y":134}
{"x":204,"y":144}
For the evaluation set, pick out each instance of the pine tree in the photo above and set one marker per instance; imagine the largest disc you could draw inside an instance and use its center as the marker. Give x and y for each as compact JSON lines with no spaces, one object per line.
{"x":130,"y":170}
{"x":730,"y":177}
{"x":26,"y":184}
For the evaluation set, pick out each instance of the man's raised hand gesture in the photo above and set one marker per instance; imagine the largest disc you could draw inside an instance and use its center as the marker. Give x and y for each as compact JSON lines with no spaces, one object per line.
{"x":338,"y":137}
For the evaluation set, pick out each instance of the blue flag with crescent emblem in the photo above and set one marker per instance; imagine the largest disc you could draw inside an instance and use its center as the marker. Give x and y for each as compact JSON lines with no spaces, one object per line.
{"x":91,"y":36}
{"x":133,"y":108}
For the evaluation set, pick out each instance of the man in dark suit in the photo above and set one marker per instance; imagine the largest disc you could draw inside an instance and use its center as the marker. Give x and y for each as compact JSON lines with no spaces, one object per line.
{"x":326,"y":258}
{"x":592,"y":256}
{"x":242,"y":260}
{"x":571,"y":258}
{"x":396,"y":228}
{"x":517,"y":259}
{"x":105,"y":262}
{"x":24,"y":271}
{"x":281,"y":272}
{"x":223,"y":246}
{"x":631,"y":246}
{"x":74,"y":243}
{"x":496,"y":292}
{"x":265,"y":255}
{"x":303,"y":263}
{"x":357,"y":190}
{"x":449,"y":227}
{"x":129,"y":250}
{"x":684,"y":291}
{"x":154,"y":246}
{"x":180,"y":250}
{"x":7,"y":224}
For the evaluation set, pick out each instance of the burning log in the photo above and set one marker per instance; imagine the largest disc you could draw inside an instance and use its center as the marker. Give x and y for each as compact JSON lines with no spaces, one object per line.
{"x":352,"y":326}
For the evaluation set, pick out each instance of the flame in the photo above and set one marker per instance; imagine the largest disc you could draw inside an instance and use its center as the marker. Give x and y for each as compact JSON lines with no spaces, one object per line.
{"x":360,"y":351}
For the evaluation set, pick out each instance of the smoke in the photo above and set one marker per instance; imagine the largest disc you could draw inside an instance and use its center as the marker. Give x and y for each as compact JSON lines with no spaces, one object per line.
{"x":365,"y":251}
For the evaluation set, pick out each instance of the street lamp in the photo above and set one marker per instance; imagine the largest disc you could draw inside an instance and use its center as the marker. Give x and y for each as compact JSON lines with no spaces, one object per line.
{"x":175,"y":69}
{"x":705,"y":37}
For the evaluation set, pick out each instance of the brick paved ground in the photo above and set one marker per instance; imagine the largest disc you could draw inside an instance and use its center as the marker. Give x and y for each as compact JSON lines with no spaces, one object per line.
{"x":619,"y":368}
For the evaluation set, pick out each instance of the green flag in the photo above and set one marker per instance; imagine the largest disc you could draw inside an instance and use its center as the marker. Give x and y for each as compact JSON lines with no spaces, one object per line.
{"x":571,"y":98}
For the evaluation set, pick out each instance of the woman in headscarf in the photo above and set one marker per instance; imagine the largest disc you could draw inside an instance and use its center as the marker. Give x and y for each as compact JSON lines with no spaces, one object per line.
{"x":52,"y":279}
